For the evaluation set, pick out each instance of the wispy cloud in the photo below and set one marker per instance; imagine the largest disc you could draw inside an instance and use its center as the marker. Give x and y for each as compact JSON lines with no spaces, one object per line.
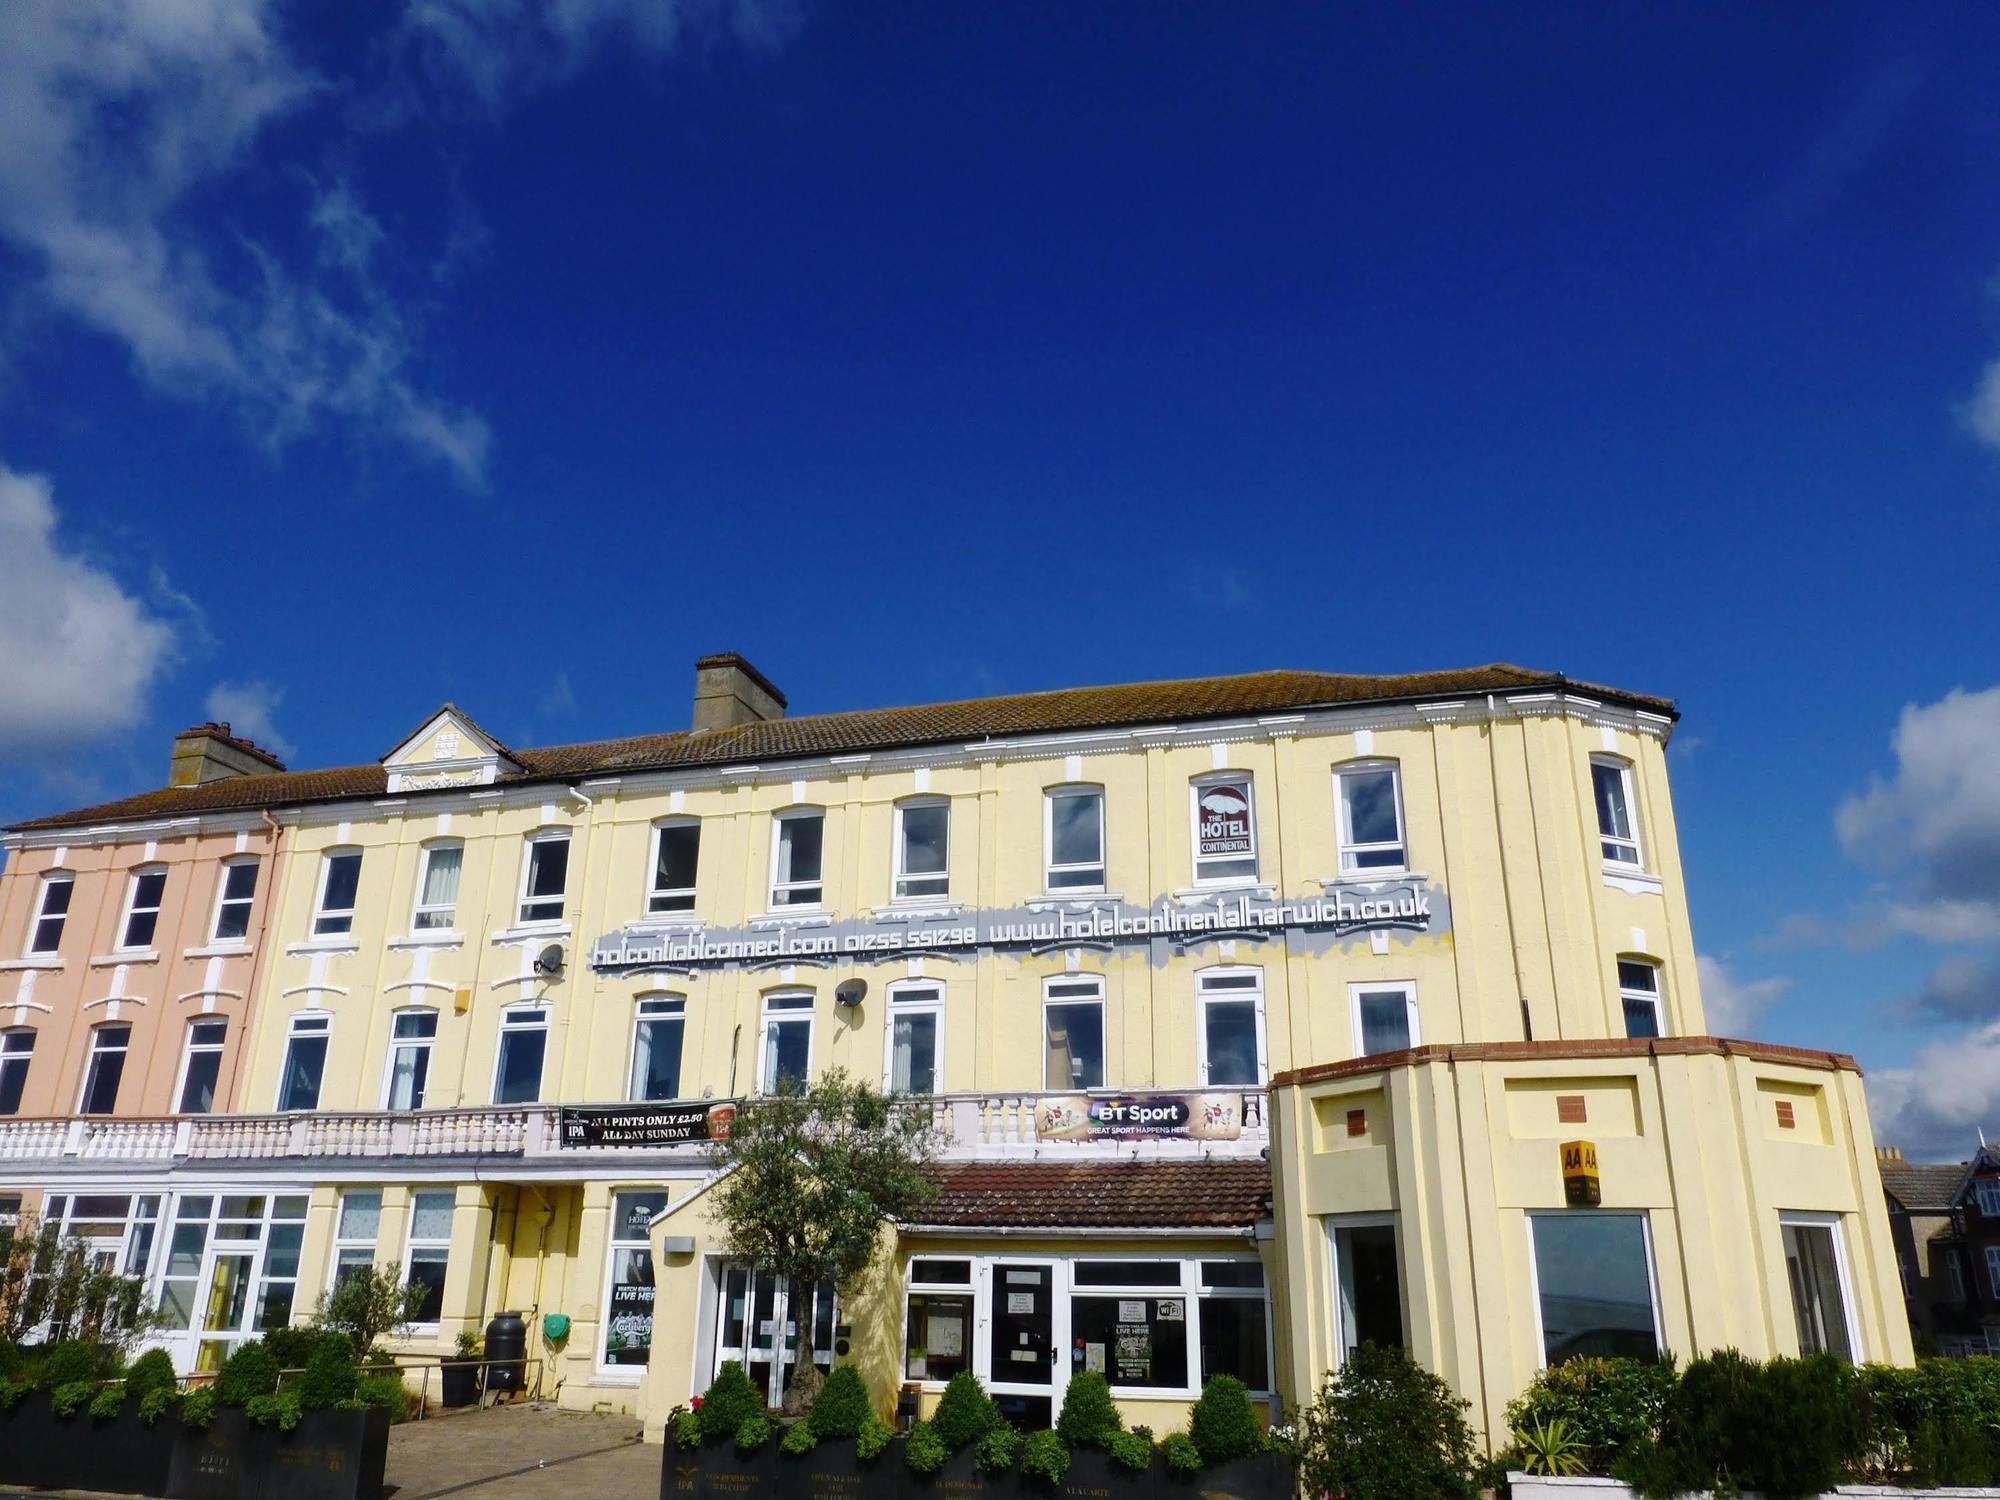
{"x":1733,"y":1005}
{"x":250,"y":710}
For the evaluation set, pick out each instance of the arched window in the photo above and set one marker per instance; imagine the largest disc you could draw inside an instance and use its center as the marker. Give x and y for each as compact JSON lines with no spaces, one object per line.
{"x":143,"y":895}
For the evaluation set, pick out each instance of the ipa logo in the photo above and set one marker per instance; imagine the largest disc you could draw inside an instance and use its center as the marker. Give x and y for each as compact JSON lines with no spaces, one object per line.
{"x":1225,"y":821}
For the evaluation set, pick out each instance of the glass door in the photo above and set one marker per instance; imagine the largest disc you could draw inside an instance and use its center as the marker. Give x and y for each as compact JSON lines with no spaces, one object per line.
{"x":758,"y":1326}
{"x":1021,"y":1343}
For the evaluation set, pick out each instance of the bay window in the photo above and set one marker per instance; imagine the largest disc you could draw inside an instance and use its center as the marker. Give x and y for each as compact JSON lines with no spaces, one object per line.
{"x":1593,"y":1279}
{"x":1368,"y":1288}
{"x":1818,"y":1282}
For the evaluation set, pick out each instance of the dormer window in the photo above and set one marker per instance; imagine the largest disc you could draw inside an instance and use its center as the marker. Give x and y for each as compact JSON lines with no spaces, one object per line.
{"x":798,"y":842}
{"x":544,"y":874}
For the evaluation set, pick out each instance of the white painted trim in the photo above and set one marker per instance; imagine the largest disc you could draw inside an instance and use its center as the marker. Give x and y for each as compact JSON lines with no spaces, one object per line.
{"x":1831,"y":1223}
{"x":1203,"y":1000}
{"x":896,"y":1005}
{"x":1356,"y":988}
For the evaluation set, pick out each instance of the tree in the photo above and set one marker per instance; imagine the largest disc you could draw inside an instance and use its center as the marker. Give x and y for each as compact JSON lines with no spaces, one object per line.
{"x":810,"y":1177}
{"x":56,"y":1289}
{"x":366,"y":1303}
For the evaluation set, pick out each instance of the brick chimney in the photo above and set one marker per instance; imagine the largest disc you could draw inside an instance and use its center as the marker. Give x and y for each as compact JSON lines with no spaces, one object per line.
{"x":1888,"y":1153}
{"x":209,"y":752}
{"x":728,"y":690}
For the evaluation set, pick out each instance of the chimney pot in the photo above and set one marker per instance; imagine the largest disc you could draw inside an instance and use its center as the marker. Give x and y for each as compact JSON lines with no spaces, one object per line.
{"x":209,"y":752}
{"x":729,"y":691}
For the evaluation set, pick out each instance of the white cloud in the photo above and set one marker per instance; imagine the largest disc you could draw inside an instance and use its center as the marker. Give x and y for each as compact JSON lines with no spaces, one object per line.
{"x":115,"y":115}
{"x":559,"y":701}
{"x":1733,"y":1005}
{"x":1940,"y":812}
{"x":1982,"y":413}
{"x":78,"y":653}
{"x":1936,"y":1106}
{"x":1963,"y":986}
{"x":249,"y":709}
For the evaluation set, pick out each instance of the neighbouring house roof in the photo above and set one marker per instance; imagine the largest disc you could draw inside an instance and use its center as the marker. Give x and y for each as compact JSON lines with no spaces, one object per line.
{"x":1190,"y":1195}
{"x":1921,"y":1185}
{"x":1067,"y":709}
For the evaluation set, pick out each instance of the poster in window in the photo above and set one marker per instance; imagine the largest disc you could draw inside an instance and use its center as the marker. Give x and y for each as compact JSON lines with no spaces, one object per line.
{"x":1223,"y":827}
{"x":945,"y":1335}
{"x":1134,"y":1350}
{"x":628,"y":1338}
{"x":1093,"y":1357}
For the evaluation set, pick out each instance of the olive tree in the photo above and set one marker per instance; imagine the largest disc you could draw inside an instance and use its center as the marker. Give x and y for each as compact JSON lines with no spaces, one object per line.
{"x":810,"y":1176}
{"x":55,"y":1288}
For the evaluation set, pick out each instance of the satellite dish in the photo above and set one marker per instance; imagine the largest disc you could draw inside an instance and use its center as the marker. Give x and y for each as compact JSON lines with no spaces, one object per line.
{"x":550,"y":959}
{"x":849,"y":991}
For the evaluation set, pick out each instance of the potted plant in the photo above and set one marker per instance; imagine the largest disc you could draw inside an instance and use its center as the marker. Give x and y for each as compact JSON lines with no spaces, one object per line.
{"x":460,"y":1377}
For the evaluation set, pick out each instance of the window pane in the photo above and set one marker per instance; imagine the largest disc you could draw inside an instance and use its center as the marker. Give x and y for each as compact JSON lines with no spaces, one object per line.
{"x":1642,"y":1018}
{"x":1224,"y":843}
{"x":1134,"y":1341}
{"x":1126,"y":1273}
{"x":360,"y":1216}
{"x":343,"y":877}
{"x":1371,"y":806}
{"x":1632,"y":976}
{"x":656,"y":1059}
{"x":521,"y":1052}
{"x":680,"y":849}
{"x":946,"y":1272}
{"x":1816,"y":1300}
{"x":913,"y":1061}
{"x":1385,"y":1021}
{"x":938,"y":1344}
{"x":1075,"y":1046}
{"x":107,"y":1066}
{"x":628,"y":1320}
{"x":430,"y":1216}
{"x":198,"y":1091}
{"x":1371,"y":1294}
{"x":409,"y":1073}
{"x":548,"y":867}
{"x":1076,"y":828}
{"x":427,"y":1270}
{"x":1221,"y":1273}
{"x":924,"y":834}
{"x":439,"y":897}
{"x":787,"y":1052}
{"x":1595,"y":1289}
{"x":1232,"y":1340}
{"x":1232,"y":1042}
{"x":799,"y":848}
{"x":305,"y":1062}
{"x":281,"y":1256}
{"x":16,"y":1048}
{"x":1614,"y":819}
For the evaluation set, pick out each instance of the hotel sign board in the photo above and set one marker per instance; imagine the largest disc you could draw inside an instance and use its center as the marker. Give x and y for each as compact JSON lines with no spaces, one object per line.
{"x":1223,"y":827}
{"x":593,"y":1127}
{"x":1407,"y":903}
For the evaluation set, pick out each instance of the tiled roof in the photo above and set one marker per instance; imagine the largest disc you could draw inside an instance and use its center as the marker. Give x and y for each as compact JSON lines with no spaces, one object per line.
{"x":1067,"y":709}
{"x":1923,"y":1184}
{"x":1101,"y":1195}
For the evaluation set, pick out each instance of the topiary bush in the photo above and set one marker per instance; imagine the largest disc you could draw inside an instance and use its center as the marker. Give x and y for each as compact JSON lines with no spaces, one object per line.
{"x":67,"y":1361}
{"x":841,"y":1406}
{"x":799,"y":1440}
{"x":965,"y":1413}
{"x":924,"y":1451}
{"x":71,"y":1397}
{"x":1223,"y":1423}
{"x":1045,"y":1456}
{"x":248,"y":1373}
{"x":996,"y":1451}
{"x":278,"y":1409}
{"x":753,"y":1433}
{"x":151,"y":1371}
{"x":109,"y":1401}
{"x":728,"y":1403}
{"x":1088,"y":1418}
{"x":159,"y":1402}
{"x":684,"y":1427}
{"x":1132,"y":1450}
{"x":1384,"y":1428}
{"x":875,"y":1435}
{"x":329,"y":1377}
{"x":293,"y":1348}
{"x":1181,"y":1455}
{"x":198,"y":1407}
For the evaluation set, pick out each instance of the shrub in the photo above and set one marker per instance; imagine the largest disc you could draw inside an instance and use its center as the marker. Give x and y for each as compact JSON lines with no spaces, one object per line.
{"x":293,"y":1348}
{"x":1045,"y":1456}
{"x":965,"y":1413}
{"x":151,"y":1371}
{"x":684,"y":1427}
{"x":1384,"y":1428}
{"x":1606,"y":1405}
{"x":383,"y":1388}
{"x":109,"y":1401}
{"x":278,"y":1409}
{"x":924,"y":1451}
{"x":753,"y":1433}
{"x":1180,"y":1453}
{"x":71,"y":1397}
{"x":1132,"y":1450}
{"x":159,"y":1402}
{"x":12,"y":1366}
{"x":13,"y":1393}
{"x":1089,"y":1420}
{"x":67,"y":1361}
{"x":874,"y":1436}
{"x":728,"y":1403}
{"x":329,"y":1377}
{"x":996,"y":1451}
{"x":1223,"y":1425}
{"x":198,"y":1407}
{"x":1549,"y":1446}
{"x":799,"y":1440}
{"x":1790,"y":1427}
{"x":841,"y":1406}
{"x":247,"y":1373}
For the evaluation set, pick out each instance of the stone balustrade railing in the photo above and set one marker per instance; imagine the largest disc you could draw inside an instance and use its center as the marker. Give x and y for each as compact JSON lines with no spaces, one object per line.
{"x":1225,"y":1122}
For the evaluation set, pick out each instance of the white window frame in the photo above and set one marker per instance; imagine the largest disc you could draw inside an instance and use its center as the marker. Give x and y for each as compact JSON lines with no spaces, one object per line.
{"x":1636,"y":843}
{"x":781,"y":889}
{"x":1798,"y":1219}
{"x":1196,"y":787}
{"x":132,"y":909}
{"x":610,"y":1374}
{"x":902,"y":877}
{"x":41,"y":913}
{"x":1535,"y":1271}
{"x":912,"y":997}
{"x":303,"y":1023}
{"x":1334,"y":1224}
{"x":1350,"y":851}
{"x":411,"y":1245}
{"x":223,"y":899}
{"x":1993,"y":1269}
{"x":528,"y":1017}
{"x":339,"y":1222}
{"x":1986,"y":1195}
{"x":655,"y":892}
{"x":1050,"y":869}
{"x":1408,"y":987}
{"x":421,"y":909}
{"x":664,"y":1007}
{"x":322,"y":913}
{"x":1222,"y":985}
{"x":400,"y":1044}
{"x":90,"y":1057}
{"x":1095,"y":997}
{"x":188,"y":1050}
{"x":782,"y":1006}
{"x":1655,"y":997}
{"x":530,"y":847}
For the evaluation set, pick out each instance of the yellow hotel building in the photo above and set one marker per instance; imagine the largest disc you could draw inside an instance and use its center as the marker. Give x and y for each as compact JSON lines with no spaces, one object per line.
{"x":1261,"y":1015}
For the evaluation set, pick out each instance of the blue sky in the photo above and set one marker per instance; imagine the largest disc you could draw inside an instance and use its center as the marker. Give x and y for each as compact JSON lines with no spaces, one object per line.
{"x":354,"y":358}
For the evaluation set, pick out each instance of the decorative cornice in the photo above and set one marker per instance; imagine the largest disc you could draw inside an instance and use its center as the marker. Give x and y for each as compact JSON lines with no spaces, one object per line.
{"x":1609,"y":1049}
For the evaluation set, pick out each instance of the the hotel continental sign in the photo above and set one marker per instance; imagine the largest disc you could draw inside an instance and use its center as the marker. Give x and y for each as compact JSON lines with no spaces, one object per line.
{"x":1346,"y":910}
